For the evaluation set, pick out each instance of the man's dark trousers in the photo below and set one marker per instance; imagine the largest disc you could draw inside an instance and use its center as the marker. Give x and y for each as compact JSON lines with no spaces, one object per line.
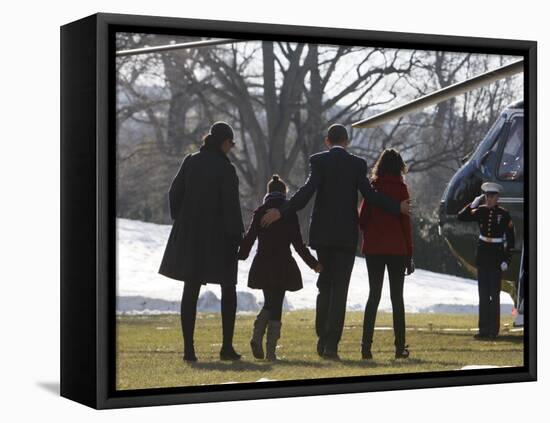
{"x":333,"y":284}
{"x":488,"y":282}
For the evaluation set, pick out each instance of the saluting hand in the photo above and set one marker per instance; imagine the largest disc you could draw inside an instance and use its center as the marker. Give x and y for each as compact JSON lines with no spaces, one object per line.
{"x":270,"y":216}
{"x":318,"y":268}
{"x":477,"y":201}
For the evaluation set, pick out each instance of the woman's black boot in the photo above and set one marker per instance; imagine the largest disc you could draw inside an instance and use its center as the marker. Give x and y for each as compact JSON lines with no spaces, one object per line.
{"x":228,"y":353}
{"x":402,"y":352}
{"x":189,"y":354}
{"x":366,"y":353}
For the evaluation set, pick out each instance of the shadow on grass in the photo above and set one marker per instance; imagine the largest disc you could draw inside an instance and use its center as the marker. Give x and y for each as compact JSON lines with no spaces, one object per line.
{"x":365,"y":364}
{"x":230,"y":366}
{"x":516,"y":339}
{"x":410,"y":362}
{"x":253,"y":366}
{"x":292,"y":362}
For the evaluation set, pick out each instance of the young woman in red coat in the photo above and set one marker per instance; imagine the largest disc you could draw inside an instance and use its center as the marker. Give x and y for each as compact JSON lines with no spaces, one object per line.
{"x":387,"y":242}
{"x":273,"y":269}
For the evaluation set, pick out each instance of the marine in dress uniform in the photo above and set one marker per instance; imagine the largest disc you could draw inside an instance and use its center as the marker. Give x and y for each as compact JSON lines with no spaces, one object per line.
{"x":496,"y":240}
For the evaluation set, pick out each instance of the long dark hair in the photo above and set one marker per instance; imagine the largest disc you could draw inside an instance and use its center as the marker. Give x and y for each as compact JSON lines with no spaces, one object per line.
{"x":390,"y":162}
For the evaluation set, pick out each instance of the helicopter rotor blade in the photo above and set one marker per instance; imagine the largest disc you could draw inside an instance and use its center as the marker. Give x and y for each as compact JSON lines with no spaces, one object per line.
{"x":180,"y":46}
{"x":441,"y":95}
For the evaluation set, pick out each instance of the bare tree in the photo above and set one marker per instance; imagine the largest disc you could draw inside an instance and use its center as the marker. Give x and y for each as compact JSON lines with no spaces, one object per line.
{"x":281,"y":97}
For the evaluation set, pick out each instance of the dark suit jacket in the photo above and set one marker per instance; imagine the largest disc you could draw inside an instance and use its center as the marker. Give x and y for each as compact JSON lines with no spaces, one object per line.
{"x":336,"y":176}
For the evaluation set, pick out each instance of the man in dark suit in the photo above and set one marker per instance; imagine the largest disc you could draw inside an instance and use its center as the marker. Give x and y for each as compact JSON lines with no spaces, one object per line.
{"x":335,"y":176}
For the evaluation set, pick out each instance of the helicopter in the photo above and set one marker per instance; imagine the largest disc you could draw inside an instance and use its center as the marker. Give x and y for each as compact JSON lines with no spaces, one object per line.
{"x":498,"y":157}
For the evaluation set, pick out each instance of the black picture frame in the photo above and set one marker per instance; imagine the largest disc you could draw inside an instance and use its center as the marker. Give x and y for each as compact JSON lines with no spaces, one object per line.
{"x":88,"y":211}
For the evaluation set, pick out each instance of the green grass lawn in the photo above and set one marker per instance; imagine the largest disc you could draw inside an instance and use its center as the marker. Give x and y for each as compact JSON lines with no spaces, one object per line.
{"x":149,"y":349}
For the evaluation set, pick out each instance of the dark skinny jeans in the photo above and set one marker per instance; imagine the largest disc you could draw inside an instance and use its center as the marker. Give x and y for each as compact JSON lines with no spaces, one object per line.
{"x":376,"y":264}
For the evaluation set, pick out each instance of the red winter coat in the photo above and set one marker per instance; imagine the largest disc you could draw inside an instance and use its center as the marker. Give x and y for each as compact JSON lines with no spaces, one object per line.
{"x":384,"y":233}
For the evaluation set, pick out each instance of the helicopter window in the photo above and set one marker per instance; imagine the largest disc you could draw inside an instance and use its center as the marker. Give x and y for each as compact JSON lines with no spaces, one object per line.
{"x":511,"y":162}
{"x":489,"y":141}
{"x":489,"y":160}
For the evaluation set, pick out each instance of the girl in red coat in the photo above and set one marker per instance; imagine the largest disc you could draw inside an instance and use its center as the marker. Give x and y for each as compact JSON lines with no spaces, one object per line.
{"x":273,"y":269}
{"x":387,"y":242}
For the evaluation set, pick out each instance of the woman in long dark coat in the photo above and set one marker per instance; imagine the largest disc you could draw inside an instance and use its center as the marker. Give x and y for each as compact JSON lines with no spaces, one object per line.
{"x":202,"y":247}
{"x":273,"y":269}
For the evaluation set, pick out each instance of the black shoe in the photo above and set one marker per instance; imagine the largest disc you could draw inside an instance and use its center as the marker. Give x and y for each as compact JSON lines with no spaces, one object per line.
{"x":366,"y":354}
{"x":402,"y":353}
{"x":481,"y":336}
{"x":330,"y":355}
{"x":229,"y":354}
{"x":320,"y":347}
{"x":191,"y":357}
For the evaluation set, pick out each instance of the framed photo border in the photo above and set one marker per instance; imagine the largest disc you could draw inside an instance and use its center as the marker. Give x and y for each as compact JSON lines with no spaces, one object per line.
{"x":88,"y":331}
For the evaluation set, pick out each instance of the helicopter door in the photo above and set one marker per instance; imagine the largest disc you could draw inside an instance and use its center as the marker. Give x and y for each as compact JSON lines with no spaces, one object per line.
{"x":488,"y":161}
{"x":511,"y":161}
{"x":510,"y":174}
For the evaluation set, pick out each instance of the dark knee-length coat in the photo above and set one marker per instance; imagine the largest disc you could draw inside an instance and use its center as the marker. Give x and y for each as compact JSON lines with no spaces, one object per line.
{"x":208,"y":227}
{"x":273,"y":265}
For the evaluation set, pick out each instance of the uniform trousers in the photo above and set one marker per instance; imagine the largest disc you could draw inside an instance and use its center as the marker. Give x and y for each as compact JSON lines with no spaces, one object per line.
{"x":488,"y":283}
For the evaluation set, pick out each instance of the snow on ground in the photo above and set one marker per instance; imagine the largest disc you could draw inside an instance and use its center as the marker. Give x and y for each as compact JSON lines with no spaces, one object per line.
{"x":480,"y":366}
{"x":141,"y":290}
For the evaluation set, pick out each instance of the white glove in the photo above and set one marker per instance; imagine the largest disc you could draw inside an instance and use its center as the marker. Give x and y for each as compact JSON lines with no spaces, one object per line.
{"x":477,"y":201}
{"x":504,"y":266}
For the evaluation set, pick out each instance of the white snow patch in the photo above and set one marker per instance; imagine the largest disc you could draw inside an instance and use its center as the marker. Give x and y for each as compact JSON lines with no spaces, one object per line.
{"x":142,"y":290}
{"x":480,"y":366}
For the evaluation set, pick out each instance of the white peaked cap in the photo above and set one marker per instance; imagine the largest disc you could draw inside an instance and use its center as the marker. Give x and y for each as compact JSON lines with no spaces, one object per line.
{"x":491,"y":187}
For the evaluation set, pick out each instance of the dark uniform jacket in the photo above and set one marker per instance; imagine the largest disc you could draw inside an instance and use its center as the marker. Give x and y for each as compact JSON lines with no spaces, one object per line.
{"x":204,"y":203}
{"x":494,"y":222}
{"x":335,"y":176}
{"x":273,"y":266}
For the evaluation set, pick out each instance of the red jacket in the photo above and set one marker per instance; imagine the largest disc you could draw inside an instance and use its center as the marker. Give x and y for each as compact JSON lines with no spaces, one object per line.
{"x":384,"y":233}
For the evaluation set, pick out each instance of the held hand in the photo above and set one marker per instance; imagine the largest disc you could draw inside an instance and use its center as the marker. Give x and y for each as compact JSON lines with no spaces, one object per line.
{"x":409,"y":266}
{"x":405,"y":207}
{"x":270,"y":216}
{"x":477,"y":201}
{"x":318,"y":268}
{"x":504,"y":266}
